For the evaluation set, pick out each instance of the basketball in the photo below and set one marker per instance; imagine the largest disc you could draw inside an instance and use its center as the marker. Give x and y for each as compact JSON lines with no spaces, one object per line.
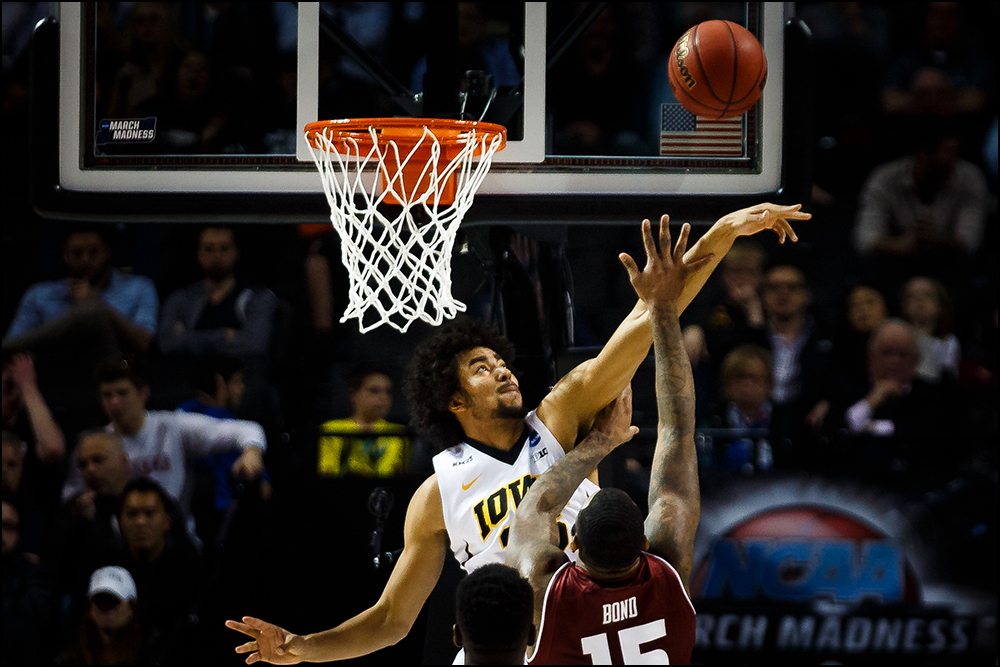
{"x":717,"y":69}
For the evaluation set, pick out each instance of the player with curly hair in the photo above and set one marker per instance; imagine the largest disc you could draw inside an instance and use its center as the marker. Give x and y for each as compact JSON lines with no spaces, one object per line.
{"x":469,"y":403}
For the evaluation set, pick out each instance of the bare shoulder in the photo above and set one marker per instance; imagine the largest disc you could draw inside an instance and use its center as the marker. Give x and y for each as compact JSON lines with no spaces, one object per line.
{"x":425,"y":512}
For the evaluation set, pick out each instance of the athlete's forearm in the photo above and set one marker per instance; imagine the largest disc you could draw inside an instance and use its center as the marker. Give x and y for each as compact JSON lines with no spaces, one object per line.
{"x":675,"y":462}
{"x":537,"y":513}
{"x":366,"y":633}
{"x":674,"y":498}
{"x":716,"y":242}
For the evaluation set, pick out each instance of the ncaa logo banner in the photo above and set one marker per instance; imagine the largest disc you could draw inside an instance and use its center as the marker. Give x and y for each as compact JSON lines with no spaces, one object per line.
{"x":826,"y":575}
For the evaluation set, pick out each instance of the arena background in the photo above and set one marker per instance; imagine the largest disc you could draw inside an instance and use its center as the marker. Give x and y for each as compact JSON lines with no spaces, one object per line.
{"x":766,"y":540}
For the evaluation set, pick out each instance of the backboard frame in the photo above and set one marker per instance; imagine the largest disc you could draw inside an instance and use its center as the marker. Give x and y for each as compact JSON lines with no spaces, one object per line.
{"x":524,"y":191}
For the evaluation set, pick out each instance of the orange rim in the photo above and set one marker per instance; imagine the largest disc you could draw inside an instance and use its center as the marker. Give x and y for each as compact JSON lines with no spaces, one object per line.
{"x":406,"y":132}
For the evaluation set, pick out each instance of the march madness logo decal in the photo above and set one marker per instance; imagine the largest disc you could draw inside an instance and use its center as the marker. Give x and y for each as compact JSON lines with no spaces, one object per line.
{"x":126,"y":131}
{"x":793,"y":580}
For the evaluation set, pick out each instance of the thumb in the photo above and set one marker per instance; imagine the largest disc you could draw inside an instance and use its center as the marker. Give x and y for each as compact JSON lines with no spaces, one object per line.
{"x":630,"y":266}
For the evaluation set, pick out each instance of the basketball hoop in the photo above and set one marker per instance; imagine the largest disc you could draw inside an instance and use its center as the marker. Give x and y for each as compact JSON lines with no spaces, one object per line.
{"x":400,"y":268}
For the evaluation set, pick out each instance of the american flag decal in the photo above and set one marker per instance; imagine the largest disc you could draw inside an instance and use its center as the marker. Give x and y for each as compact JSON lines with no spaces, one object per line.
{"x":686,"y":135}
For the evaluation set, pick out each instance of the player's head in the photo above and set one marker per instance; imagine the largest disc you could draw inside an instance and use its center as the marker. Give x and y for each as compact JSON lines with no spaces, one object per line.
{"x":217,"y":252}
{"x":369,"y":389}
{"x":462,"y":366}
{"x":494,"y":612}
{"x":609,"y":533}
{"x":122,"y":391}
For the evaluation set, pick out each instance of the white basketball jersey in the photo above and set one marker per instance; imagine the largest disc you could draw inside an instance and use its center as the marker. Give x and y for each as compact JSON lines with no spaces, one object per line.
{"x":481,"y":487}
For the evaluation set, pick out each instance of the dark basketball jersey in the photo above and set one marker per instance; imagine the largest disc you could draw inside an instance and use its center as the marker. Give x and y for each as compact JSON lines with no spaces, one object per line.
{"x":647,"y":620}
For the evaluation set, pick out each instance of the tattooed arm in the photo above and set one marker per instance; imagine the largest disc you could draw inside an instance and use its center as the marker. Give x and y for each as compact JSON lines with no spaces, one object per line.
{"x":674,"y":499}
{"x":534,"y":538}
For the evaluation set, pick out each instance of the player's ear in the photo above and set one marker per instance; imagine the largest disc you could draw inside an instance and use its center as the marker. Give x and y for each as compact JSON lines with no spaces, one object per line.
{"x":573,"y":544}
{"x":458,"y":402}
{"x":645,"y":543}
{"x":456,"y":635}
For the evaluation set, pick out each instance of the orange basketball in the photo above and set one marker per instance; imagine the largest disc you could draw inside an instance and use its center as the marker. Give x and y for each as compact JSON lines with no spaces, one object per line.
{"x":717,"y":69}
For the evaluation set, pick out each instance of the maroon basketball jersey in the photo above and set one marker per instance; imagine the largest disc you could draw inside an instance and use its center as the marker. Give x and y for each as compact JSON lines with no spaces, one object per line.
{"x":647,"y":620}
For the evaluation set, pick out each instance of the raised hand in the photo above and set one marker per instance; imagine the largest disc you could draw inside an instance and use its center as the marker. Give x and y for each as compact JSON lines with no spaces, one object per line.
{"x":662,"y":280}
{"x":22,"y":370}
{"x":270,"y":643}
{"x":753,"y":219}
{"x":615,"y":420}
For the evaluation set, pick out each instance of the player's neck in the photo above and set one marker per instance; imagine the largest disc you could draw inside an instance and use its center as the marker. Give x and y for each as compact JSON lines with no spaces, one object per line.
{"x":608,"y":576}
{"x":502,"y":433}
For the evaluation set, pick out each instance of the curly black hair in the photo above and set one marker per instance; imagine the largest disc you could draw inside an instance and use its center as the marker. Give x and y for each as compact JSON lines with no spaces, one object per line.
{"x":494,"y":607}
{"x":432,"y":377}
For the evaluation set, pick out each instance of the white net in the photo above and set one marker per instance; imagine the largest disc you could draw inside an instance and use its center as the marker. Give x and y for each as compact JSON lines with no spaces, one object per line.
{"x":400,"y":262}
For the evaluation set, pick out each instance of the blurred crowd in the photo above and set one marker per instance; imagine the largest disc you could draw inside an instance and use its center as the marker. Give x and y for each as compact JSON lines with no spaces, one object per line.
{"x":164,"y":385}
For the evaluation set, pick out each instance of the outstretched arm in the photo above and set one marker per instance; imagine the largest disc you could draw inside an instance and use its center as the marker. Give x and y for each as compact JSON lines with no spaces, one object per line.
{"x":674,"y":499}
{"x":717,"y":241}
{"x":534,"y":539}
{"x":570,"y":407}
{"x":389,"y":620}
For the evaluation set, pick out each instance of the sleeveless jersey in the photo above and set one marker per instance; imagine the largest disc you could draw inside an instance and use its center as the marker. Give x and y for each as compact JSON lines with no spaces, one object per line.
{"x":481,"y":487}
{"x":648,"y":620}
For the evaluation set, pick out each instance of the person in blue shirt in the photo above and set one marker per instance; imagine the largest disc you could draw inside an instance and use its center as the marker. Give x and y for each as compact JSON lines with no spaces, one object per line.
{"x":69,"y":325}
{"x":94,"y":295}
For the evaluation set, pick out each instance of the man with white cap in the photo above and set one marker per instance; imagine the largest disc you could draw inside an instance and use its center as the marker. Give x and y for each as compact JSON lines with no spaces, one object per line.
{"x":110,"y":632}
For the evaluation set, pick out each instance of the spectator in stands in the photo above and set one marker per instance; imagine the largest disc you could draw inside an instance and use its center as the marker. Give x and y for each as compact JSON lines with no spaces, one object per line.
{"x":191,"y":118}
{"x":926,"y":210}
{"x":111,"y":632}
{"x":86,"y":530}
{"x":161,"y":445}
{"x":738,"y":311}
{"x":866,"y":309}
{"x":380,"y":449}
{"x":944,"y":75}
{"x":151,"y":46}
{"x":26,"y":598}
{"x":898,"y":424}
{"x":71,"y":324}
{"x":926,"y":305}
{"x":13,"y":452}
{"x":167,"y":569}
{"x":34,"y":448}
{"x":97,"y":307}
{"x":800,"y":350}
{"x":26,"y":413}
{"x":218,"y":392}
{"x":219,"y":315}
{"x":747,"y":383}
